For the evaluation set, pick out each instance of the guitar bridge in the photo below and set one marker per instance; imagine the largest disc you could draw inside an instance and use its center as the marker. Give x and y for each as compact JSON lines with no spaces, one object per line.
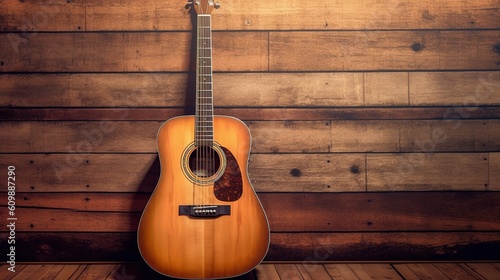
{"x":204,"y":211}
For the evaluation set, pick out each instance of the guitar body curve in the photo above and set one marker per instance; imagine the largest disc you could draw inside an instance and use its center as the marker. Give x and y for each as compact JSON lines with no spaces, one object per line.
{"x":180,"y":245}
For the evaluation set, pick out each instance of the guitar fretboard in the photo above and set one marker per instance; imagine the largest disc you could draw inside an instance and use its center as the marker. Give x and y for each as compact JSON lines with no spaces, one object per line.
{"x":204,"y":135}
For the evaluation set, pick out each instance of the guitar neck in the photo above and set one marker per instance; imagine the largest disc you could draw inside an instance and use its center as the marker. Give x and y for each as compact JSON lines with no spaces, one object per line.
{"x":204,"y":95}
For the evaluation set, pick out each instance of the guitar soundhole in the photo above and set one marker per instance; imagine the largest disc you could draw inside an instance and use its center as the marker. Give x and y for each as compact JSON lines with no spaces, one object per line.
{"x":203,"y":164}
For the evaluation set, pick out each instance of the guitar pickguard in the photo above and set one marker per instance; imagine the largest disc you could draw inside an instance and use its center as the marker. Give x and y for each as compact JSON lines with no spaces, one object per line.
{"x":229,"y":187}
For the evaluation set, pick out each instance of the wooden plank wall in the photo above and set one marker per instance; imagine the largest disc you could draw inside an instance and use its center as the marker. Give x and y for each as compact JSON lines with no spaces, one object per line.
{"x":376,"y":124}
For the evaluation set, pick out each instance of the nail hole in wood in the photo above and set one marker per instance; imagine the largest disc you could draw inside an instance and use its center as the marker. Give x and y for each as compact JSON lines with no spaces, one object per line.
{"x":496,"y":48}
{"x":416,"y":47}
{"x":296,"y":172}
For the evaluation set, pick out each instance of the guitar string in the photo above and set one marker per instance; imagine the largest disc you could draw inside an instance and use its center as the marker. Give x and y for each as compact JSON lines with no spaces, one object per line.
{"x":205,"y":154}
{"x":205,"y":159}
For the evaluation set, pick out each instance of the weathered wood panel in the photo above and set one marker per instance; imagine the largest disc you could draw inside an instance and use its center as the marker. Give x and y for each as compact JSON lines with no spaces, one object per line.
{"x":290,"y":15}
{"x":398,"y":211}
{"x":427,"y":172}
{"x":94,"y":90}
{"x":317,"y":212}
{"x":308,"y":90}
{"x":270,"y":136}
{"x":308,"y":173}
{"x":458,"y":88}
{"x":494,"y":171}
{"x":79,"y":137}
{"x":311,"y":51}
{"x":59,"y":15}
{"x":84,"y":173}
{"x":37,"y":16}
{"x":386,"y":89}
{"x":307,"y":247}
{"x":375,"y":136}
{"x":450,"y":114}
{"x":395,"y":50}
{"x":351,"y":104}
{"x":129,"y":52}
{"x":116,"y":173}
{"x":245,"y":114}
{"x":384,"y":246}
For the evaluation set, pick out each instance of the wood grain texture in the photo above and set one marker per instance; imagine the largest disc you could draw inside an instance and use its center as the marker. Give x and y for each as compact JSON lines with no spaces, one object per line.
{"x":242,"y":15}
{"x":139,"y":173}
{"x":304,"y":247}
{"x":449,"y":114}
{"x":317,"y":212}
{"x":84,"y":173}
{"x":311,"y":51}
{"x":375,"y":124}
{"x":395,"y":50}
{"x":494,"y":171}
{"x":428,"y":171}
{"x":129,"y":52}
{"x":308,"y":90}
{"x":271,"y":136}
{"x":380,"y":211}
{"x":37,"y":16}
{"x":269,"y":271}
{"x":308,"y":173}
{"x":460,"y":89}
{"x":318,"y":247}
{"x":375,"y":136}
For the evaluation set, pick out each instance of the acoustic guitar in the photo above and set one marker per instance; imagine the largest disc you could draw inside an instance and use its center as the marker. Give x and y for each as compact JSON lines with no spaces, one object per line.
{"x":203,"y":219}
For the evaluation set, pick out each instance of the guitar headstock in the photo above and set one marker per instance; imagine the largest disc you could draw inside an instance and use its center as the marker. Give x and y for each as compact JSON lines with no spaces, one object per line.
{"x":203,"y":7}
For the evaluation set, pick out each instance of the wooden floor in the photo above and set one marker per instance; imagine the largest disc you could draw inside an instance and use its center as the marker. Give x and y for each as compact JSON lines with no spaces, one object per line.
{"x":267,"y":271}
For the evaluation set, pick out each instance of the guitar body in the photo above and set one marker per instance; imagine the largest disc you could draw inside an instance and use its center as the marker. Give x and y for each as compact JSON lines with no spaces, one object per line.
{"x":203,"y":223}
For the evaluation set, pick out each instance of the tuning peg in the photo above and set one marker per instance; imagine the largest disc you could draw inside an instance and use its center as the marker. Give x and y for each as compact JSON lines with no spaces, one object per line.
{"x":217,"y":5}
{"x":188,"y":4}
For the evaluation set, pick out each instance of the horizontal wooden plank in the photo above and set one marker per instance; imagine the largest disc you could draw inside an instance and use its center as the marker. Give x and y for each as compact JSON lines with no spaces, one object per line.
{"x":94,"y":90}
{"x":38,"y":16}
{"x":395,"y":50}
{"x":121,"y":173}
{"x":397,"y":211}
{"x":140,"y":172}
{"x":287,"y":212}
{"x":318,"y":247}
{"x":305,"y":247}
{"x":109,"y":202}
{"x":80,"y":137}
{"x":48,"y":220}
{"x":269,"y":136}
{"x":375,"y":136}
{"x":252,"y":114}
{"x":81,"y":172}
{"x":470,"y":89}
{"x":458,"y":88}
{"x":264,"y":15}
{"x":308,"y":173}
{"x":130,"y":52}
{"x":427,"y":171}
{"x":140,"y":52}
{"x":494,"y":171}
